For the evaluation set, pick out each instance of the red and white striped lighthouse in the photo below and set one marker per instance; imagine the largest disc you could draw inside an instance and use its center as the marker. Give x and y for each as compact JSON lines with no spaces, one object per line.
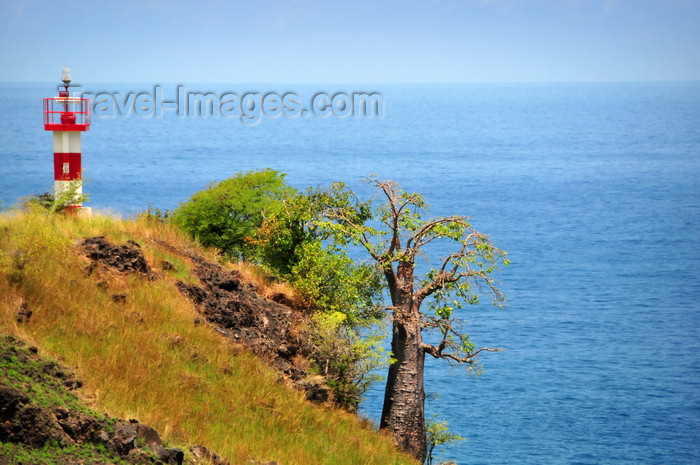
{"x":67,"y":117}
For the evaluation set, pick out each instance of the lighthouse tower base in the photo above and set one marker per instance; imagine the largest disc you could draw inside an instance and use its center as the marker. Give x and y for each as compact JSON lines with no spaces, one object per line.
{"x":80,"y":212}
{"x":67,"y":167}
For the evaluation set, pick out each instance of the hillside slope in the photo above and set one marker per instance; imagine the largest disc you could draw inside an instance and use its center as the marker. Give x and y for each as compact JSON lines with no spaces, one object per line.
{"x":147,"y":346}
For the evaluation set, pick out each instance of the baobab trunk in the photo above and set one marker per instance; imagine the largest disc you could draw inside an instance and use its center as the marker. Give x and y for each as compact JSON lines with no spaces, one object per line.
{"x":403,"y":413}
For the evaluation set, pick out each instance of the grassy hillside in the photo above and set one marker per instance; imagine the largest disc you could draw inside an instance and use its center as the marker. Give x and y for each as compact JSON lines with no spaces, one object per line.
{"x":143,"y":356}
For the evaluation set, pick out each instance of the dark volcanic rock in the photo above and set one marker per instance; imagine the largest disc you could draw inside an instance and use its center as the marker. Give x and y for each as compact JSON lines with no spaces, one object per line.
{"x":316,"y":393}
{"x":281,"y":298}
{"x":194,"y":293}
{"x":119,"y":298}
{"x":148,"y":436}
{"x":24,"y":313}
{"x":126,"y":257}
{"x":201,"y":452}
{"x":78,"y":426}
{"x":11,"y":400}
{"x":124,"y":439}
{"x":265,"y":326}
{"x":173,"y":456}
{"x":133,"y":438}
{"x":24,"y":422}
{"x":216,"y":278}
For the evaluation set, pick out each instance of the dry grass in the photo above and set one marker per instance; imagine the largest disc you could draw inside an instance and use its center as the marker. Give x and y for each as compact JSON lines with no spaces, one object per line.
{"x":147,"y":359}
{"x":267,"y":285}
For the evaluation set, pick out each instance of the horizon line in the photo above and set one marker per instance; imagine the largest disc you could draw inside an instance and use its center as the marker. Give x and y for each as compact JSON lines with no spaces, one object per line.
{"x":159,"y":82}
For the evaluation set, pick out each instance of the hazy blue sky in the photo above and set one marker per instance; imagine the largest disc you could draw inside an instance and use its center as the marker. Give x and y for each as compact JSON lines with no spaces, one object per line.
{"x":380,"y":41}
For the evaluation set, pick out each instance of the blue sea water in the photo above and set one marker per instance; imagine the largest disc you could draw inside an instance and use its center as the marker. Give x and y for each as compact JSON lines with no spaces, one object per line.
{"x":593,"y":189}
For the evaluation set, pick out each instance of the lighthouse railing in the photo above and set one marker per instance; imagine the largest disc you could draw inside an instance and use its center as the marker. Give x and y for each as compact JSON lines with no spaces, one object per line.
{"x":66,"y":114}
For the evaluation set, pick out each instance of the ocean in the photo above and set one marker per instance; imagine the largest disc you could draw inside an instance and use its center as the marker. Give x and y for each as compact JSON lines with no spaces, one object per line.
{"x":592,"y":188}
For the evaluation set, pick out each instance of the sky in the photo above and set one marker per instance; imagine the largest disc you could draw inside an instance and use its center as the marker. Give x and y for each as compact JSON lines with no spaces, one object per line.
{"x":362,"y":41}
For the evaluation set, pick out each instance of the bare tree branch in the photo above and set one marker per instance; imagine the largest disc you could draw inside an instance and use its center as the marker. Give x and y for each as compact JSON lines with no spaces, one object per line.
{"x":437,"y":352}
{"x":389,"y":190}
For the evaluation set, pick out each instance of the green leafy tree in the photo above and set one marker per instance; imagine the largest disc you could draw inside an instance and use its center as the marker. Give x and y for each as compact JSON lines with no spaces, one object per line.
{"x":392,"y":230}
{"x":346,"y":358}
{"x":291,"y":244}
{"x":438,"y":433}
{"x":343,"y":294}
{"x":228,"y":214}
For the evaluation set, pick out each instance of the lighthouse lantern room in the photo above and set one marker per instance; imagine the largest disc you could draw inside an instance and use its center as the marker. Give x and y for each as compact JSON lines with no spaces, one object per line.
{"x":67,"y":117}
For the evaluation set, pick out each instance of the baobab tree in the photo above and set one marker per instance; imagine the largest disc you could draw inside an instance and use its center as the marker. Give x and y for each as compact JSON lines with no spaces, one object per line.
{"x":392,"y":230}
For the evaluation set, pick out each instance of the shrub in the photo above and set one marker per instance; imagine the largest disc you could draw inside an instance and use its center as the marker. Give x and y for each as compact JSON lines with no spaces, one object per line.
{"x":228,"y":214}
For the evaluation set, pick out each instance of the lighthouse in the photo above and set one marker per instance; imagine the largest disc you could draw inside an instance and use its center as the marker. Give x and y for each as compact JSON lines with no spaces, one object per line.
{"x":67,"y":117}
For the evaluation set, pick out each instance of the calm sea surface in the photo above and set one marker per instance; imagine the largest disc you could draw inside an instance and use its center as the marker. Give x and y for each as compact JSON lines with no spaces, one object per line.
{"x":593,"y":189}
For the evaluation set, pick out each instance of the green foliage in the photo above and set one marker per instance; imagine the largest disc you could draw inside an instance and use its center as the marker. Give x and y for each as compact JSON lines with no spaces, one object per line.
{"x":228,"y":214}
{"x":438,"y":434}
{"x":155,"y":215}
{"x":294,"y":246}
{"x":334,"y":283}
{"x":345,"y":357}
{"x":284,"y":231}
{"x":45,"y":200}
{"x":50,"y":454}
{"x":344,"y":295}
{"x":72,"y":195}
